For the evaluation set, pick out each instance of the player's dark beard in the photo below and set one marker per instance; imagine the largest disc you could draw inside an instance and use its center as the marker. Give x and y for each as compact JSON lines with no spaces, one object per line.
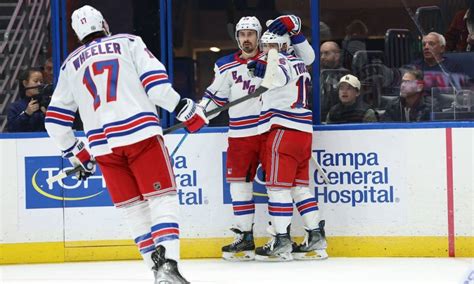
{"x":247,"y":47}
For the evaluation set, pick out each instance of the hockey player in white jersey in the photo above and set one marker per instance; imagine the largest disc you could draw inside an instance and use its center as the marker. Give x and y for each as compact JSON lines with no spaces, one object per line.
{"x":232,"y":81}
{"x":285,"y":124}
{"x":115,"y":82}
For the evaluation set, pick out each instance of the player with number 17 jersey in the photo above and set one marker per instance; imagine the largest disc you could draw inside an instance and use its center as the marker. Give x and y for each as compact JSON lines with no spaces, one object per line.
{"x":114,"y":81}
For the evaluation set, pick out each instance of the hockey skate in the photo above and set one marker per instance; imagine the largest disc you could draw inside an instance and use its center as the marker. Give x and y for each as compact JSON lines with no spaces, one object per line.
{"x":242,"y":249}
{"x":166,"y":270}
{"x":313,"y":246}
{"x":277,"y":249}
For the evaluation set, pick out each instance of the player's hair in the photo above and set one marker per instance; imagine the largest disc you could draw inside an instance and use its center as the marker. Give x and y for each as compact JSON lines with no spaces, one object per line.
{"x":93,"y":36}
{"x":25,"y":76}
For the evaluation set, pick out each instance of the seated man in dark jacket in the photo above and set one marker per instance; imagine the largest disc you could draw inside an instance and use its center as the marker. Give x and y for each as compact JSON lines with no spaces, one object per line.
{"x":351,"y":108}
{"x":438,"y":70}
{"x":410,"y":105}
{"x":26,"y":114}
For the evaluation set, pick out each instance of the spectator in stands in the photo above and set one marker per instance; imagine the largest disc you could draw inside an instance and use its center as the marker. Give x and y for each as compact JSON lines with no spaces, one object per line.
{"x":26,"y":114}
{"x":352,"y":108}
{"x":324,"y":31}
{"x":439,"y":71}
{"x":330,"y":55}
{"x":460,"y":35}
{"x":48,"y":71}
{"x":434,"y":46}
{"x":410,"y":106}
{"x":331,"y":73}
{"x":355,"y":40}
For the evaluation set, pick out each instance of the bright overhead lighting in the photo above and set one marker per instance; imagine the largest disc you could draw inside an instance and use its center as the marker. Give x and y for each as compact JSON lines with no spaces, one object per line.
{"x":214,"y":49}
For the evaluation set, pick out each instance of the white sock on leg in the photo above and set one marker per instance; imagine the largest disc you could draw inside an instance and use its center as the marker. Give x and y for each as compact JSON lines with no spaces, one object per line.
{"x":243,"y":204}
{"x":280,"y":208}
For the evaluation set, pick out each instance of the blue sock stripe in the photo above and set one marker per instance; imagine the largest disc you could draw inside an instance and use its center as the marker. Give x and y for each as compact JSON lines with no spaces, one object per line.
{"x":276,"y":204}
{"x":239,"y":213}
{"x":305,"y":201}
{"x":310,"y":209}
{"x":167,"y":238}
{"x":237,"y":203}
{"x":281,"y":214}
{"x":163,"y":226}
{"x":147,"y":249}
{"x":142,"y":238}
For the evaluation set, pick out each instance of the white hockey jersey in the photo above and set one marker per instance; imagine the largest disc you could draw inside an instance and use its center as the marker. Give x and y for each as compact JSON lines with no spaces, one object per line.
{"x":115,"y":82}
{"x":286,"y":105}
{"x":232,"y":80}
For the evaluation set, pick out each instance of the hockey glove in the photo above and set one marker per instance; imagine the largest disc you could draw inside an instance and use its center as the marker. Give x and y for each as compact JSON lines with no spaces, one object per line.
{"x":257,"y":68}
{"x":290,"y":24}
{"x":79,"y":156}
{"x":191,"y":114}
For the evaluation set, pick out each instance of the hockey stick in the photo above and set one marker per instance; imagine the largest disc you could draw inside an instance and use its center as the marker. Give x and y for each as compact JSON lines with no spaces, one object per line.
{"x":179,"y":144}
{"x":62,"y":175}
{"x":320,"y":170}
{"x":184,"y":136}
{"x":260,"y":90}
{"x":272,"y":65}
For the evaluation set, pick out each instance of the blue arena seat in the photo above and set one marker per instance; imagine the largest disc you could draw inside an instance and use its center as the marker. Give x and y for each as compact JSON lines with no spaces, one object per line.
{"x":430,"y":19}
{"x":465,"y":60}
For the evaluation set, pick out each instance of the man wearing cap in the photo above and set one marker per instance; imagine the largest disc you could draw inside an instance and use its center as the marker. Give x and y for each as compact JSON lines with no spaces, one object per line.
{"x":351,"y":108}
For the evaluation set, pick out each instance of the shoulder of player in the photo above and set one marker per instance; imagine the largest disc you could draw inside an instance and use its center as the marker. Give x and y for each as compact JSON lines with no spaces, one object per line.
{"x":227,"y":62}
{"x":78,"y":50}
{"x":72,"y":54}
{"x":130,"y":37}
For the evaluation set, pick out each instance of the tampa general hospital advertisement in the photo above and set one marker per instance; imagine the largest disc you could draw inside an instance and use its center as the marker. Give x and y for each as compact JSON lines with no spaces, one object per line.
{"x":386,"y":189}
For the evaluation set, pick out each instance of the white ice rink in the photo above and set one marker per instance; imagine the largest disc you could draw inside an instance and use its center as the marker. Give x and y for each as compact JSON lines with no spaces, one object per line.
{"x":334,"y":270}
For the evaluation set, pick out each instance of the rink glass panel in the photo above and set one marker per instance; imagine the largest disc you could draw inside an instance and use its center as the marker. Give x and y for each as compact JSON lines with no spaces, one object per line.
{"x":199,"y":25}
{"x":369,"y":52}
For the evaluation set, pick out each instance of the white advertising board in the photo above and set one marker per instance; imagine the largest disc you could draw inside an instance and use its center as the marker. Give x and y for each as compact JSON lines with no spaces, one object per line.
{"x":383,"y":183}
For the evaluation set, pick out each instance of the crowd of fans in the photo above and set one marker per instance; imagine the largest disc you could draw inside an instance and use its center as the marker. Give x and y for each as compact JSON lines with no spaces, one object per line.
{"x":353,"y":87}
{"x":433,"y":83}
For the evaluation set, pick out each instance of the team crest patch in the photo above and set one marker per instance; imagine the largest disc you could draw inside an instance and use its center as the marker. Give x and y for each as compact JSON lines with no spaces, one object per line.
{"x":157,"y":185}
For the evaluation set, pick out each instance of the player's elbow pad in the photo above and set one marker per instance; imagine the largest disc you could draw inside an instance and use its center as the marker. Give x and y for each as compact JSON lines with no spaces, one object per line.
{"x":281,"y":77}
{"x":309,"y":58}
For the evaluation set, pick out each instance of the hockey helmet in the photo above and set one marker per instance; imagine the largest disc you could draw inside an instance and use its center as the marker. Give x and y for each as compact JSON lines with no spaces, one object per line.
{"x":87,"y":20}
{"x":248,"y":23}
{"x":281,"y":40}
